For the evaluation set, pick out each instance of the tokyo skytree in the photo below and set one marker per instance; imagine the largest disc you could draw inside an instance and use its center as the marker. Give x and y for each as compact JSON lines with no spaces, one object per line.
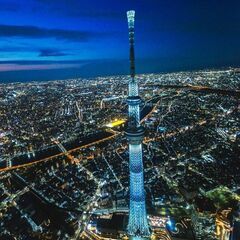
{"x":138,"y":224}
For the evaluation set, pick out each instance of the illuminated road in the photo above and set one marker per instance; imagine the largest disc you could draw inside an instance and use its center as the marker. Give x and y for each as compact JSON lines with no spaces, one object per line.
{"x":76,"y":161}
{"x":60,"y":154}
{"x":11,"y":197}
{"x":87,"y":213}
{"x":111,"y":169}
{"x":63,"y":149}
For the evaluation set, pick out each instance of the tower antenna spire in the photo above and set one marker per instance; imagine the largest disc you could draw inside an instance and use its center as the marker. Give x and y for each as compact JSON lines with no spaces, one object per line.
{"x":131,"y":19}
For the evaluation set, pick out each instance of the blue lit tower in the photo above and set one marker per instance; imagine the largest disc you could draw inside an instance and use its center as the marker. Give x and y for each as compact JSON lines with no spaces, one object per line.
{"x":137,"y":224}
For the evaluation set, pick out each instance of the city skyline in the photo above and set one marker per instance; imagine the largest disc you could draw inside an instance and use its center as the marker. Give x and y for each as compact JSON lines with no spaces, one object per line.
{"x":45,"y":41}
{"x":90,"y":150}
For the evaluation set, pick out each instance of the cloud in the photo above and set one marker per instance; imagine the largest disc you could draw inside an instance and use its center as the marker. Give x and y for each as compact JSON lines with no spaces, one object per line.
{"x":46,"y":52}
{"x":51,"y":53}
{"x":15,"y":71}
{"x":8,"y":67}
{"x":37,"y":32}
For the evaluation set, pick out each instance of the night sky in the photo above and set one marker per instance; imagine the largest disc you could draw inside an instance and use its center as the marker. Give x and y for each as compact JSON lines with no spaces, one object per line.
{"x":50,"y":39}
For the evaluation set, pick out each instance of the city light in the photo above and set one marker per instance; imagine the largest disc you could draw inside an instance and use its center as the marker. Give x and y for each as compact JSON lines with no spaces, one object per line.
{"x":89,"y":150}
{"x":115,"y":123}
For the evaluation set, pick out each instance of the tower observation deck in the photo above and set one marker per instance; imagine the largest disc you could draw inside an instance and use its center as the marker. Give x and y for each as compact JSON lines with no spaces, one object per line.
{"x":137,"y":225}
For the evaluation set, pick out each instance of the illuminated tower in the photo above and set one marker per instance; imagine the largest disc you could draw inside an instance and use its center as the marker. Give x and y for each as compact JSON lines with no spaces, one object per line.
{"x":137,"y":224}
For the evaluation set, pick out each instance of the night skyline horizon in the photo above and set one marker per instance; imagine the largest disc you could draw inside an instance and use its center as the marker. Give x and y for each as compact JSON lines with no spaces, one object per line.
{"x":62,"y":74}
{"x":50,"y":41}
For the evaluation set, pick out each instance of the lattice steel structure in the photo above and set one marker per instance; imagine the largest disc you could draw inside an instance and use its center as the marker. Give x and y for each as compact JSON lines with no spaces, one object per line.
{"x":137,"y":224}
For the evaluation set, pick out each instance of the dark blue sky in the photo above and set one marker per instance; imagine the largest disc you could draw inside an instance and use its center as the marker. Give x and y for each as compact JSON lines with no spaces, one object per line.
{"x":50,"y":39}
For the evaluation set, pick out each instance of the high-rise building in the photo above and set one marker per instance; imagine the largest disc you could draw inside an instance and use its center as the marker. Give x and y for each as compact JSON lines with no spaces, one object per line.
{"x":137,"y":225}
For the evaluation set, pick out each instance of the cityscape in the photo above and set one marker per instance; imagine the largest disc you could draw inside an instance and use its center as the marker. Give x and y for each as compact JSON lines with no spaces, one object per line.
{"x":123,"y":156}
